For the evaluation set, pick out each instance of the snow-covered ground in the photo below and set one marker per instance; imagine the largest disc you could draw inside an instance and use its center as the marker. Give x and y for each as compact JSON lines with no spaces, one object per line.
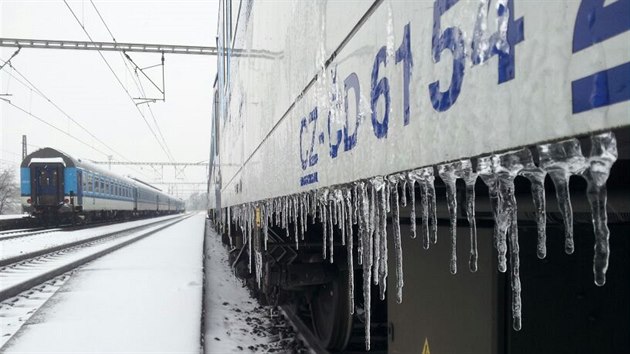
{"x":17,"y":246}
{"x":235,"y":322}
{"x":145,"y":297}
{"x":13,"y":216}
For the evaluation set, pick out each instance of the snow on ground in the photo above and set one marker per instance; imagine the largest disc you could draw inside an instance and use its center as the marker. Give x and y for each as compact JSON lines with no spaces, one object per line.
{"x":17,"y":246}
{"x":235,"y":322}
{"x":13,"y":216}
{"x":145,"y":297}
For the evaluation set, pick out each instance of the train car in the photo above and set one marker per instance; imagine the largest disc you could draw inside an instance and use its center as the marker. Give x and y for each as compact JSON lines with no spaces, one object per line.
{"x":430,"y":176}
{"x":56,"y":187}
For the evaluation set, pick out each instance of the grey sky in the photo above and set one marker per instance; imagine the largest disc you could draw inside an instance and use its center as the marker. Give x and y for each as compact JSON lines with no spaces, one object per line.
{"x":81,"y":84}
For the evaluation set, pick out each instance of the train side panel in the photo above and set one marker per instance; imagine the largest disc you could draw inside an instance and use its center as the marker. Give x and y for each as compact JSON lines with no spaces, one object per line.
{"x":395,"y":96}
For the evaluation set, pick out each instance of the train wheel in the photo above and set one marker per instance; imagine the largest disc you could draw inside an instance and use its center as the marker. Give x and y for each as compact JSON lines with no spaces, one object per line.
{"x":330,"y":311}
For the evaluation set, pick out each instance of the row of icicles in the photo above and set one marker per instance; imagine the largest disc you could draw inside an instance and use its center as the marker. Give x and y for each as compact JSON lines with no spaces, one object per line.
{"x":367,"y":203}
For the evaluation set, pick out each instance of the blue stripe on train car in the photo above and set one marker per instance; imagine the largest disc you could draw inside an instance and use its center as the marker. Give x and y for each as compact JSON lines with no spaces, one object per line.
{"x":70,"y":180}
{"x":25,"y":184}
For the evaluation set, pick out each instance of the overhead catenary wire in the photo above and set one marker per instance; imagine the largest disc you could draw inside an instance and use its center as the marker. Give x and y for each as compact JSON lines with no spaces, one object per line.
{"x":137,"y":83}
{"x":33,"y":88}
{"x":118,"y":79}
{"x":53,"y":126}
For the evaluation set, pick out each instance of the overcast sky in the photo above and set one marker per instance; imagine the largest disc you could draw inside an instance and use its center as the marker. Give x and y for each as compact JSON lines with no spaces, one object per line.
{"x":82,"y":85}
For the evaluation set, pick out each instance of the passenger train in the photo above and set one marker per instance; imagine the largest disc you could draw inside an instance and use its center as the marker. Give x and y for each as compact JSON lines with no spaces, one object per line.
{"x":429,"y":176}
{"x":56,"y":187}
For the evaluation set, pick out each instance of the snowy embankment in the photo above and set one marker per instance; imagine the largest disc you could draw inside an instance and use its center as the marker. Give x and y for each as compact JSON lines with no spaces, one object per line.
{"x":235,"y":322}
{"x":145,"y":297}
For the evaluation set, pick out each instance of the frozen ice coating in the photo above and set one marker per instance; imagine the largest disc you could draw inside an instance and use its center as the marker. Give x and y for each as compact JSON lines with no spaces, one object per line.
{"x":470,"y":179}
{"x":561,"y":160}
{"x":602,"y":156}
{"x":485,"y":171}
{"x":424,"y":176}
{"x":350,"y":248}
{"x":367,"y":258}
{"x":536,"y":177}
{"x":393,"y":186}
{"x":331,"y":232}
{"x":411,"y":185}
{"x":366,"y":203}
{"x":449,"y":173}
{"x":507,"y":166}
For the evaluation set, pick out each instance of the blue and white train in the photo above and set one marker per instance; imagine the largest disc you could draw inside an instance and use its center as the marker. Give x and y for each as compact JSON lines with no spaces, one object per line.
{"x":56,"y":187}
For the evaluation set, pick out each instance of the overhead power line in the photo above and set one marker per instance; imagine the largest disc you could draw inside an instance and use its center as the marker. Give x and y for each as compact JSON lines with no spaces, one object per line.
{"x":119,"y":81}
{"x":53,"y":126}
{"x":32,"y":86}
{"x":138,"y":83}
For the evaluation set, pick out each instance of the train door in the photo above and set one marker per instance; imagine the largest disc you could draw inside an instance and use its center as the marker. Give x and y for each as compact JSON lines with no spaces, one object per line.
{"x":47,"y":184}
{"x":157,"y":202}
{"x":135,"y":198}
{"x":79,"y":187}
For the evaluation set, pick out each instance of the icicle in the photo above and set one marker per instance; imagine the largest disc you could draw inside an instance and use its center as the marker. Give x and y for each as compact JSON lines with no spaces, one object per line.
{"x":354,"y":204}
{"x":448,"y":174}
{"x":382,"y":212}
{"x":393,"y":187}
{"x":362,"y":227}
{"x":374,"y":224}
{"x":342,"y":210}
{"x":603,"y":155}
{"x":561,"y":160}
{"x":265,"y":221}
{"x":248,"y":222}
{"x":287,"y":215}
{"x":325,"y":227}
{"x":426,"y":178}
{"x":470,"y":179}
{"x":331,"y":231}
{"x":295,"y":221}
{"x":303,"y":204}
{"x":514,"y":267}
{"x":367,"y":259}
{"x":349,"y":248}
{"x":229,"y":226}
{"x":536,"y":177}
{"x":403,"y":196}
{"x":486,"y":172}
{"x":314,"y":208}
{"x":411,"y":184}
{"x":506,"y":167}
{"x":333,"y":207}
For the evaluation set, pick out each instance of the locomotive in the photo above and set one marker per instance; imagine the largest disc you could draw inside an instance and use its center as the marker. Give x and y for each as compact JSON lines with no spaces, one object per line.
{"x":446,"y":176}
{"x":56,"y":187}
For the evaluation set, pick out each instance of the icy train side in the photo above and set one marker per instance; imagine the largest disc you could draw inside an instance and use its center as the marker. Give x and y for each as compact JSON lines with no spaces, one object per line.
{"x":407,"y":173}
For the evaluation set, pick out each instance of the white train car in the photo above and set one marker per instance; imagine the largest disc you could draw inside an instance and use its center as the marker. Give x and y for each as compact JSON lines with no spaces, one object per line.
{"x":343,"y":129}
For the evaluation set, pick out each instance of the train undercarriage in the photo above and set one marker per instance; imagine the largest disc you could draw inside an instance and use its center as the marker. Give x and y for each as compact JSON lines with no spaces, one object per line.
{"x":563,"y":310}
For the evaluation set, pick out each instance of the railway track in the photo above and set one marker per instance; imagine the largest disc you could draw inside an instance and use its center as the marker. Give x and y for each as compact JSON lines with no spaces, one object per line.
{"x":29,"y":279}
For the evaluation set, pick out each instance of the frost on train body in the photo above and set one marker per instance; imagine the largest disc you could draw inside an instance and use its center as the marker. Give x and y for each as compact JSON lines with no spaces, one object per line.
{"x":349,"y":115}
